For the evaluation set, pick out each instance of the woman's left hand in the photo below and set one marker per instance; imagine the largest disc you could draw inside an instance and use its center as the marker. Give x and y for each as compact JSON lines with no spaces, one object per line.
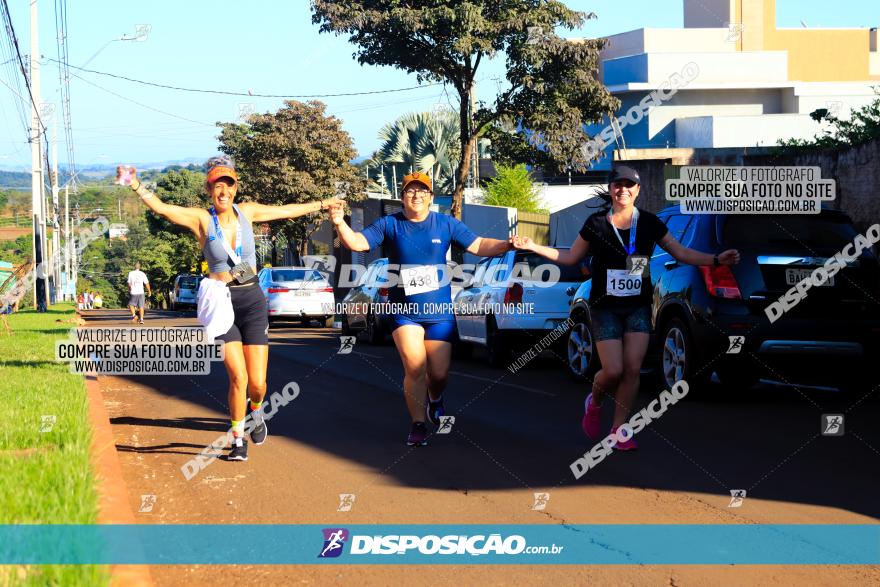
{"x":729,"y":257}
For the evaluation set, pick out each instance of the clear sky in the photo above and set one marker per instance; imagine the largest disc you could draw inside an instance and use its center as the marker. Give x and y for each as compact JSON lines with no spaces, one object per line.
{"x":265,"y":47}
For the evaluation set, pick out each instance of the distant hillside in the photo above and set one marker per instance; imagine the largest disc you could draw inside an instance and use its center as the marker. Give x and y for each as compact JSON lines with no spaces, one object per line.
{"x":9,"y":179}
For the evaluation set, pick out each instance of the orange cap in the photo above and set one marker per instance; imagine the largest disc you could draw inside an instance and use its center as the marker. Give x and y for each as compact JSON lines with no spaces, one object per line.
{"x":219,"y":171}
{"x":416,"y":176}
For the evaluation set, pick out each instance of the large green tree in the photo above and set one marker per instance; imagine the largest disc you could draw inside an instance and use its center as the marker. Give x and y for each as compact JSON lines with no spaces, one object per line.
{"x":295,"y":155}
{"x":551,"y":87}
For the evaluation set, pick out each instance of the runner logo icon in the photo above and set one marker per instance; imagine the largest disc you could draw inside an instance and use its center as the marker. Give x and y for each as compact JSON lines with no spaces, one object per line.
{"x":346,"y":501}
{"x":334,"y":540}
{"x":736,"y":344}
{"x":832,"y":424}
{"x":446,"y":424}
{"x":737,"y":496}
{"x":346,"y":345}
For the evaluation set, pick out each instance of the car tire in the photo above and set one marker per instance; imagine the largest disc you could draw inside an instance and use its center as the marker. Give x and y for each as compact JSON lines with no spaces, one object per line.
{"x":497,"y":346}
{"x":373,"y":331}
{"x":678,"y":356}
{"x":582,"y":356}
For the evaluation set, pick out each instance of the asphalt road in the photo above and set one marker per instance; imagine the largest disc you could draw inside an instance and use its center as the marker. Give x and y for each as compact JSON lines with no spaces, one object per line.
{"x":515,"y":434}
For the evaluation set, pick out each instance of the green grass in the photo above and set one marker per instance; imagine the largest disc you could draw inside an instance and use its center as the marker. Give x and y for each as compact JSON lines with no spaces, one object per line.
{"x":45,"y":477}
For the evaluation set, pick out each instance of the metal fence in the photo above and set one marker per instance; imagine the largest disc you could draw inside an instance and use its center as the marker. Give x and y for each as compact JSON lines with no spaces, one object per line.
{"x":535,"y":225}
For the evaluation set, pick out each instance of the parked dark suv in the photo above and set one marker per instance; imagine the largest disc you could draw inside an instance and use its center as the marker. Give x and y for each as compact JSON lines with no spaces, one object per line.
{"x":829,"y":338}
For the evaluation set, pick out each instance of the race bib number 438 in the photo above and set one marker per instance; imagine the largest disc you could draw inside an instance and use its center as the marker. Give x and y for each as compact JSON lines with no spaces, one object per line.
{"x":420,"y":279}
{"x":622,"y":283}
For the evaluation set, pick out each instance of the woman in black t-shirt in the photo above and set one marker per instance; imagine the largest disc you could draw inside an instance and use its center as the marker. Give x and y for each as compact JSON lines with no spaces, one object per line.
{"x":621,"y":241}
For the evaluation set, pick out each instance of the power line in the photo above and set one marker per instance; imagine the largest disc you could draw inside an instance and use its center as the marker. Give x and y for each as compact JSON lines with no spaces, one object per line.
{"x":248,"y":94}
{"x":10,"y":30}
{"x":121,"y":97}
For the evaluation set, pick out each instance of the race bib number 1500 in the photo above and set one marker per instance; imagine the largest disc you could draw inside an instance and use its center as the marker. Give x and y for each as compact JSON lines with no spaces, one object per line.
{"x":622,"y":283}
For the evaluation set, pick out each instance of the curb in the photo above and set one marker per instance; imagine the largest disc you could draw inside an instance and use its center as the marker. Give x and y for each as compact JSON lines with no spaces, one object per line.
{"x":113,"y":505}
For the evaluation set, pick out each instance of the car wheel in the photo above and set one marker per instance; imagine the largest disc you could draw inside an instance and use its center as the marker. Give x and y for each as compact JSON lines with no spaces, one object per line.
{"x":583,"y":357}
{"x":678,"y":357}
{"x":373,"y":331}
{"x":497,"y":347}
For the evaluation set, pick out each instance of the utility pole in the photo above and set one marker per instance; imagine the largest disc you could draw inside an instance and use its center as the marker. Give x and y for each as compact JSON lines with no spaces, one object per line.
{"x":39,"y":237}
{"x":475,"y":158}
{"x":67,"y":244}
{"x":56,"y":248}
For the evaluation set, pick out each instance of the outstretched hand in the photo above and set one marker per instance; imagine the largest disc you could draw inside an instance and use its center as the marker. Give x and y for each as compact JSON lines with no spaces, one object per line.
{"x":522,"y":243}
{"x":337,"y":212}
{"x":125,"y":174}
{"x":729,"y":257}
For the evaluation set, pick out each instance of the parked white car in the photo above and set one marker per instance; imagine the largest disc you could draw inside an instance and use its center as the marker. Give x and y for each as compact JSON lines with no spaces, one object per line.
{"x":513,"y":302}
{"x":297,"y":293}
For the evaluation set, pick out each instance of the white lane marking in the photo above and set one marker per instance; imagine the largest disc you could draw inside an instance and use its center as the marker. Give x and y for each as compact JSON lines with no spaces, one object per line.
{"x":522,"y":387}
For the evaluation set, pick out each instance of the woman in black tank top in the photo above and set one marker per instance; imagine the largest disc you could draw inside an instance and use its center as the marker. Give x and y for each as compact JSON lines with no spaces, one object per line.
{"x":246,"y":343}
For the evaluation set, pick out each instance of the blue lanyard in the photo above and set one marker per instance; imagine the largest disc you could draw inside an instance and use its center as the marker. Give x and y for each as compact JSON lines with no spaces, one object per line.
{"x":237,"y":257}
{"x":632,"y":231}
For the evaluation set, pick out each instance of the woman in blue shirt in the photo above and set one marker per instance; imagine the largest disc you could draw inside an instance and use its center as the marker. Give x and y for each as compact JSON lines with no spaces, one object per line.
{"x":417,"y":241}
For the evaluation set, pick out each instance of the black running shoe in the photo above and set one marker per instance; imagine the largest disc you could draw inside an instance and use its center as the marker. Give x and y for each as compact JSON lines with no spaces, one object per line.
{"x":418,"y":435}
{"x":435,"y":410}
{"x":259,"y":433}
{"x":238,"y":452}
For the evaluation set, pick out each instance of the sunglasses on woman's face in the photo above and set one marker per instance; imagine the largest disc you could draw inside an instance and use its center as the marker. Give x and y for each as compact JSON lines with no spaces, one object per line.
{"x":623,"y":183}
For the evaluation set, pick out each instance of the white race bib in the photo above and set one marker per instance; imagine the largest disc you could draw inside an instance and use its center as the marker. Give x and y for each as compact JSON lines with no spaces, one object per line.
{"x":621,"y":283}
{"x":419,"y":279}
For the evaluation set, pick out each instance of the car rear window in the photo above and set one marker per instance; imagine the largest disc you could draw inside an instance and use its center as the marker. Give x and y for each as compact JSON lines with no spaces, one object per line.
{"x":826,"y":230}
{"x":295,"y":275}
{"x":189,"y":282}
{"x":568,"y":273}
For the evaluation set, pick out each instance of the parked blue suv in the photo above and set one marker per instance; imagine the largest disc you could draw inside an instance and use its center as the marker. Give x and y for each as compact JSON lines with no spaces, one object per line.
{"x":830,"y":338}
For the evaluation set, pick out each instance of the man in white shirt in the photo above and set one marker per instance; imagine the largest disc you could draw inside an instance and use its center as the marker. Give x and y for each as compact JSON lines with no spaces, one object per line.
{"x":137,"y":279}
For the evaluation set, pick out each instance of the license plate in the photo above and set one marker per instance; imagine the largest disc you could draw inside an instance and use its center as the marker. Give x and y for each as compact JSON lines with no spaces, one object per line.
{"x":795,"y":276}
{"x":301,"y":293}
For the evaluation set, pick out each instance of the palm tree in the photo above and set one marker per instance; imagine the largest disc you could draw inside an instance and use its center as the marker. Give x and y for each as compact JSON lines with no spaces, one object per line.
{"x":421,"y":141}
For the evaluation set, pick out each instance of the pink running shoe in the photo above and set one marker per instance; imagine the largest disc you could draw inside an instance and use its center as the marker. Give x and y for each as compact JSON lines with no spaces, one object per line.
{"x":592,"y":421}
{"x":628,"y":444}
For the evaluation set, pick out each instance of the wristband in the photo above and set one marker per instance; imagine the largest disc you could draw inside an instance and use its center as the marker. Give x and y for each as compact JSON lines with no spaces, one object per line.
{"x":134,"y":189}
{"x":715,"y":261}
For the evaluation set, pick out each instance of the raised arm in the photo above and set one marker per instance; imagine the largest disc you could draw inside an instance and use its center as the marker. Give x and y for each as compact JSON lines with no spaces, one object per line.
{"x":263,"y":213}
{"x":352,"y":240}
{"x":572,"y":256}
{"x":186,"y":217}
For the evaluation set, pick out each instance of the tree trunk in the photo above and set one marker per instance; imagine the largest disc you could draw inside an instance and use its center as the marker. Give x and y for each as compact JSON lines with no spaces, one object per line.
{"x":467,"y":143}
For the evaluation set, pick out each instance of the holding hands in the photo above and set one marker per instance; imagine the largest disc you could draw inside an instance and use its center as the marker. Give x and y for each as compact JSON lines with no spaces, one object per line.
{"x":336,"y":209}
{"x":522,"y":243}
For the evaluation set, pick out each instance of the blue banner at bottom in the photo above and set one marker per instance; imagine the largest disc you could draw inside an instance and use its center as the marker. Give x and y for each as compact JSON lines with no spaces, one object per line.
{"x":441,"y":544}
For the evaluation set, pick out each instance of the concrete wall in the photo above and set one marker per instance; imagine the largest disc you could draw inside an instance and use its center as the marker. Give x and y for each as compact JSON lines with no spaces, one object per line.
{"x":856,"y":171}
{"x":708,"y":13}
{"x":489,"y":221}
{"x":743,"y":131}
{"x":655,"y":68}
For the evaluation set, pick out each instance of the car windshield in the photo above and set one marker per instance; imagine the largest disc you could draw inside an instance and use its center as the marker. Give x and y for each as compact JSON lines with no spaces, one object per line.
{"x":828,"y":230}
{"x":295,"y":275}
{"x":189,"y":283}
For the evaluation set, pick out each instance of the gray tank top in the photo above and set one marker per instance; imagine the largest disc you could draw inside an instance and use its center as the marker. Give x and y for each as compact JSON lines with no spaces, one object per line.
{"x":215,"y":253}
